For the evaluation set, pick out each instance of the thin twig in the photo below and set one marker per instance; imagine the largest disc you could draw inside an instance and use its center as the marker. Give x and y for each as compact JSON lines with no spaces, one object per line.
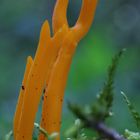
{"x":100,"y":127}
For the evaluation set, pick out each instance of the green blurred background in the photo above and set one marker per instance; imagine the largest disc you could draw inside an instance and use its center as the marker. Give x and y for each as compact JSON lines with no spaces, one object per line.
{"x":116,"y":26}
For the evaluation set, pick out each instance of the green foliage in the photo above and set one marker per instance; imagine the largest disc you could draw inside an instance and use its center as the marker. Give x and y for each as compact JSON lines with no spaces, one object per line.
{"x":132,"y":135}
{"x":76,"y":131}
{"x":132,"y":109}
{"x":93,"y":116}
{"x":100,"y":110}
{"x":105,"y":98}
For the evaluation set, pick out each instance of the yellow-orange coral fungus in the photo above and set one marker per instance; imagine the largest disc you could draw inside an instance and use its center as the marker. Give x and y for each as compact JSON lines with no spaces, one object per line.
{"x":54,"y":98}
{"x":52,"y":107}
{"x":60,"y":15}
{"x":21,"y":95}
{"x":85,"y":19}
{"x":34,"y":87}
{"x":55,"y":47}
{"x":56,"y":44}
{"x":44,"y":58}
{"x":50,"y":69}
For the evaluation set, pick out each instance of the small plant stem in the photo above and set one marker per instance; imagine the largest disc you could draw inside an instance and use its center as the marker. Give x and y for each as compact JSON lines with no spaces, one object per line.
{"x":43,"y":131}
{"x":9,"y":135}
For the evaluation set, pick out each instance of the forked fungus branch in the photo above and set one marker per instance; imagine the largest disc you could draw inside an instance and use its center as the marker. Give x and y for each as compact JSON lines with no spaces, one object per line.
{"x":49,"y":69}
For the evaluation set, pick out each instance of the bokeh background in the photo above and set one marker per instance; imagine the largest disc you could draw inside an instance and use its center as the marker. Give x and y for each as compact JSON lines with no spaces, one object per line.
{"x":116,"y":26}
